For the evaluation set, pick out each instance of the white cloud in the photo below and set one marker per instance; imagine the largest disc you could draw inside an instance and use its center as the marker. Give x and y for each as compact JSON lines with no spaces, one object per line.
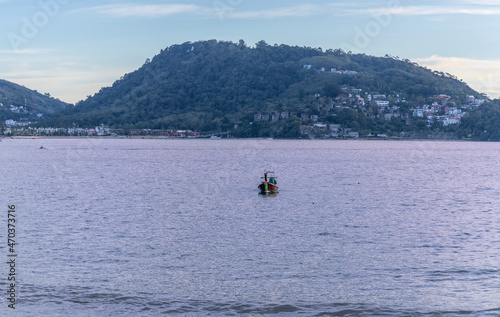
{"x":295,"y":11}
{"x":482,"y":2}
{"x":27,"y":51}
{"x":65,"y":82}
{"x":63,"y":75}
{"x":304,"y":10}
{"x":139,"y":10}
{"x":428,"y":10}
{"x":481,"y":75}
{"x":392,"y":8}
{"x":488,"y":7}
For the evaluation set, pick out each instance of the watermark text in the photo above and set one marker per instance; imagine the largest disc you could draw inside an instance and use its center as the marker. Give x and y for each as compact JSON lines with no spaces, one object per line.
{"x":11,"y":256}
{"x":32,"y":25}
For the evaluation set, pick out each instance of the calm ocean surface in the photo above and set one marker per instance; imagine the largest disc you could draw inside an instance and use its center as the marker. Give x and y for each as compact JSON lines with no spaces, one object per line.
{"x":111,"y":227}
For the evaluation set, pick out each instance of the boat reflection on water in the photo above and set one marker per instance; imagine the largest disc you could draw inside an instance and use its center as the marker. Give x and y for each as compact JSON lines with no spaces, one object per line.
{"x":275,"y":194}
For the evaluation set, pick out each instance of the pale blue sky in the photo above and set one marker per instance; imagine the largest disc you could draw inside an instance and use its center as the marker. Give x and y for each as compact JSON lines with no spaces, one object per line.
{"x":72,"y":48}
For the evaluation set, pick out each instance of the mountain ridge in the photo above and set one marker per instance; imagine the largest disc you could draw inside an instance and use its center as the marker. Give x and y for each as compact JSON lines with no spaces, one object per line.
{"x":214,"y":86}
{"x":17,"y":102}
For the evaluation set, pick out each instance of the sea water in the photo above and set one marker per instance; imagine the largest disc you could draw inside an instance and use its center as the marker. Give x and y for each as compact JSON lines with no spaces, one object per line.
{"x":137,"y":227}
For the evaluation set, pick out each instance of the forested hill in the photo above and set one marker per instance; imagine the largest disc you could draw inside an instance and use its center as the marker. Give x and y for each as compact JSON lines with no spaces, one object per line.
{"x":482,"y":123}
{"x":212,"y":86}
{"x":20,"y":102}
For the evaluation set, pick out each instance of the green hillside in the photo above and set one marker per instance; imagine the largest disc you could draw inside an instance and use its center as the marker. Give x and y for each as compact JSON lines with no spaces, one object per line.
{"x":483,"y":123}
{"x":17,"y":102}
{"x":213,"y":86}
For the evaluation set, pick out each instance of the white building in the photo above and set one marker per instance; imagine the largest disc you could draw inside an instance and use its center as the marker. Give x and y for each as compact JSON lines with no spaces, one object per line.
{"x":382,"y":103}
{"x":451,"y":120}
{"x":102,"y":130}
{"x":334,"y":127}
{"x":418,"y":112}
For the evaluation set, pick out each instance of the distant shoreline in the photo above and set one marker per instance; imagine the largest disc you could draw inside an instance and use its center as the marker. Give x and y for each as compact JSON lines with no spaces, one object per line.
{"x":225,"y":139}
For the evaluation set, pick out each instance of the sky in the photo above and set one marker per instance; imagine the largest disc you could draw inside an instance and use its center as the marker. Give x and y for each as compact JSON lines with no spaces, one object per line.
{"x":71,"y":48}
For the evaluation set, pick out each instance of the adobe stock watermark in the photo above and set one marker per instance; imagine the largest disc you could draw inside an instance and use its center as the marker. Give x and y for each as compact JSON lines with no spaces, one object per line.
{"x":31,"y":26}
{"x":223,"y":6}
{"x":372,"y":29}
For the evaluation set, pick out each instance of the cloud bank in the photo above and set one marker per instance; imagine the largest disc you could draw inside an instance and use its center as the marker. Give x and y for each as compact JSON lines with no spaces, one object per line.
{"x":393,"y":7}
{"x":139,"y":10}
{"x":481,"y":75}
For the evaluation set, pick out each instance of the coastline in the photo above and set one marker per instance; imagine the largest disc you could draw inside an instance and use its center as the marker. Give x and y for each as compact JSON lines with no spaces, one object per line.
{"x":361,"y":139}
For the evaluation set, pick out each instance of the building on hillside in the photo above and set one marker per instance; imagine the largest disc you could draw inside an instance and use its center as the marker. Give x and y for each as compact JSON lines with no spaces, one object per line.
{"x":382,"y":103}
{"x":102,"y":130}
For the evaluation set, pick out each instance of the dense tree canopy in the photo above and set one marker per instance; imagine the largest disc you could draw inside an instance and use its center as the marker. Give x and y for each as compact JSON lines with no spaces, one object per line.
{"x":483,"y":123}
{"x":213,"y":86}
{"x":32,"y":102}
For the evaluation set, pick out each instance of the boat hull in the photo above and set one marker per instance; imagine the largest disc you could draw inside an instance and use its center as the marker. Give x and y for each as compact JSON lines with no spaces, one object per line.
{"x":270,"y":188}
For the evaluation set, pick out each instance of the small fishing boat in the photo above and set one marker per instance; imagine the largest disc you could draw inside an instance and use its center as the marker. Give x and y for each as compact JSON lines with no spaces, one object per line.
{"x":269,"y":183}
